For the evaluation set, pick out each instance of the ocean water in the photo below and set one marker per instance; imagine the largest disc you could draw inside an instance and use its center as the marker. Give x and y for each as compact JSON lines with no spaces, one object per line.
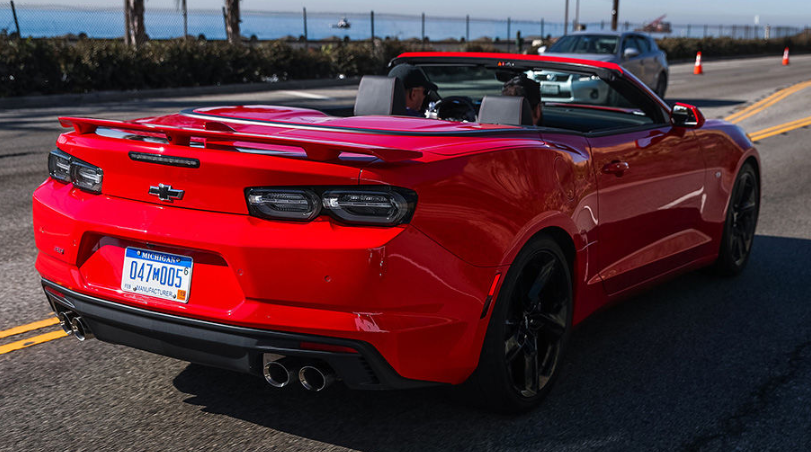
{"x":166,"y":24}
{"x":52,"y":21}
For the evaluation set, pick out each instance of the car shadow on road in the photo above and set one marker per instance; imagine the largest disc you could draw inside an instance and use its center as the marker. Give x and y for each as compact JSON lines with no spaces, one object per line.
{"x":659,"y":371}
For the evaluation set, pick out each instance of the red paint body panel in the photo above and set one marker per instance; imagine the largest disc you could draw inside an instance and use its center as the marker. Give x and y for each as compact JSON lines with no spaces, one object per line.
{"x":415,"y":292}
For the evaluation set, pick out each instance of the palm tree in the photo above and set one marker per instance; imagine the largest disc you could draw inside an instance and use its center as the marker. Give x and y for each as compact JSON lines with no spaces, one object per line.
{"x":135,"y":31}
{"x":232,"y":21}
{"x":181,"y":5}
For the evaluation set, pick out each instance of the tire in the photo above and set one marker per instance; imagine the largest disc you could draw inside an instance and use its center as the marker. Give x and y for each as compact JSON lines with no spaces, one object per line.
{"x":740,"y":223}
{"x":661,"y":85}
{"x":528,"y":331}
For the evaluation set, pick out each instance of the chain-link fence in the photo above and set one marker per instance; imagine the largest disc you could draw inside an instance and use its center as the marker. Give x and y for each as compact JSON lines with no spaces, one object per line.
{"x":108,"y":23}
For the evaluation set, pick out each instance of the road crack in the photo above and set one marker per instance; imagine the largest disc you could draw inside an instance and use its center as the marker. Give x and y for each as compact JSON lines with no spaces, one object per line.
{"x":735,"y":424}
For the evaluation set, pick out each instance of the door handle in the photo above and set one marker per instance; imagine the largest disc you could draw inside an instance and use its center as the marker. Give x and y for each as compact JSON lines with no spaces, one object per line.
{"x":616,"y":168}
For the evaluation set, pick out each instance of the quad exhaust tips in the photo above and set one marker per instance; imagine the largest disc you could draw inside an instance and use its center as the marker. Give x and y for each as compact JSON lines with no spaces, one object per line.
{"x":316,"y":377}
{"x":80,"y":329}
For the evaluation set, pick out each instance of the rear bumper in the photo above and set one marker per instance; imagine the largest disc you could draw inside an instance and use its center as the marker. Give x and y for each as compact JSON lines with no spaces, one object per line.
{"x":225,"y":346}
{"x":412,"y":302}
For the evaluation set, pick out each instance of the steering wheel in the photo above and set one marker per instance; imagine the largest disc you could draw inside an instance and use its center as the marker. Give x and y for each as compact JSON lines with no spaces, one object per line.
{"x":454,"y":108}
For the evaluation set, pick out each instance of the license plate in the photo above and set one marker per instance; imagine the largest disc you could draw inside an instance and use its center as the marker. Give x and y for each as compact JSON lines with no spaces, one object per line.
{"x":550,"y":89}
{"x":157,"y":274}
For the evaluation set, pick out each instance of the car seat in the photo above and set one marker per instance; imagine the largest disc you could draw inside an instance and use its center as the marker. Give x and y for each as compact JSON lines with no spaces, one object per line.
{"x":380,"y":95}
{"x":508,"y":110}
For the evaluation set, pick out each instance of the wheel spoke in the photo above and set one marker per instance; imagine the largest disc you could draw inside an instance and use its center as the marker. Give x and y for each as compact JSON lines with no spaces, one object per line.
{"x":512,"y":348}
{"x":541,"y":280}
{"x":747,"y":208}
{"x":740,"y":247}
{"x":531,"y":367}
{"x":549,"y":325}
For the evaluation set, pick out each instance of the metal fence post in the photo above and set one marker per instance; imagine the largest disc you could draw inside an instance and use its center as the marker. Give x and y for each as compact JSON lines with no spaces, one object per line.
{"x":508,"y":35}
{"x":467,"y":28}
{"x":373,"y":27}
{"x":705,"y":30}
{"x":423,"y":31}
{"x":542,"y":29}
{"x":688,"y":30}
{"x":225,"y":21}
{"x":306,"y":38}
{"x":16,"y":23}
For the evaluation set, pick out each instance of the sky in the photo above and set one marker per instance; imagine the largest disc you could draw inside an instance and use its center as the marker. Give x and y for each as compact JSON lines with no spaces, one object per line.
{"x":743,"y":12}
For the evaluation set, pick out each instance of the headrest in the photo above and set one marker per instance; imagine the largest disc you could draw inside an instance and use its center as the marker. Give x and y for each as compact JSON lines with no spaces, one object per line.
{"x":380,"y":95}
{"x":510,"y":110}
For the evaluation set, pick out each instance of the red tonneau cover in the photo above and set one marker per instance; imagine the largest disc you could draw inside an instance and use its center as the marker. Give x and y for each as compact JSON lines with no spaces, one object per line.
{"x":216,"y":131}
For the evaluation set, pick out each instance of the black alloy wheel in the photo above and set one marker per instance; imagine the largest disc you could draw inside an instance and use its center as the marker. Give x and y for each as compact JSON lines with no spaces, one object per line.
{"x":740,"y":224}
{"x":528,"y":330}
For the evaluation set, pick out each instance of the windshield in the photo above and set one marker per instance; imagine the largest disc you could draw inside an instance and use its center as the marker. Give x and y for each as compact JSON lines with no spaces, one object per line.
{"x":569,"y":100}
{"x":599,"y":44}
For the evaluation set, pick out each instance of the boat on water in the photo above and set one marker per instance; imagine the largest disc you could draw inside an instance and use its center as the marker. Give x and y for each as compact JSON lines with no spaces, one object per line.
{"x":343,"y":23}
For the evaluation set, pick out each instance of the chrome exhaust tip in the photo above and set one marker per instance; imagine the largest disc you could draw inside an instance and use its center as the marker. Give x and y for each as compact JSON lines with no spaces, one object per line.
{"x":64,"y":322}
{"x":279,"y":373}
{"x":80,"y":329}
{"x":316,"y":378}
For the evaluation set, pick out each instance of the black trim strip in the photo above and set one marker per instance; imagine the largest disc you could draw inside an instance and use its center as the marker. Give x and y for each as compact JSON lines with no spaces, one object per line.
{"x":169,"y":160}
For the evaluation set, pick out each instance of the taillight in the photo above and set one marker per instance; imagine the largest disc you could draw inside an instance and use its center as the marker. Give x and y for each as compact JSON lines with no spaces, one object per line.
{"x":59,"y":165}
{"x":66,"y":168}
{"x":379,"y":205}
{"x":286,"y":204}
{"x":367,"y":207}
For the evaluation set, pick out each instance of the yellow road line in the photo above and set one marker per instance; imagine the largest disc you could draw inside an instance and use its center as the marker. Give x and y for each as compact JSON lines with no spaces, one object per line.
{"x":29,"y":327}
{"x":781,"y":128}
{"x":763,"y":104}
{"x":32,"y":341}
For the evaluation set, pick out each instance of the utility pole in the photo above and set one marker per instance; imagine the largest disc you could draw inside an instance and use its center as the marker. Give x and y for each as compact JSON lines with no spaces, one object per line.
{"x":566,"y":19}
{"x":16,"y":23}
{"x":615,"y":12}
{"x":576,"y":26}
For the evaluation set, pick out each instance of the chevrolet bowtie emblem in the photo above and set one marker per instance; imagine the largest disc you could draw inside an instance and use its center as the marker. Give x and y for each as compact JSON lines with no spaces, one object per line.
{"x":166,"y":192}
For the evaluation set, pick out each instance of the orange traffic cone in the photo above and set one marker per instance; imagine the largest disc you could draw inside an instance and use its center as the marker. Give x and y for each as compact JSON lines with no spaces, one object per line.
{"x":785,"y":57}
{"x":698,"y":70}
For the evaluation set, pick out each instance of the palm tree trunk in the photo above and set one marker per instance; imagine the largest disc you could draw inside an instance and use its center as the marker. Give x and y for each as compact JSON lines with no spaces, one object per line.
{"x":134,"y":18}
{"x":232,"y":20}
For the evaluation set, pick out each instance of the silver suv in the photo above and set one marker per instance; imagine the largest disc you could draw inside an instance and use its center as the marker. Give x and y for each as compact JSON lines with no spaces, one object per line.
{"x":636,"y":52}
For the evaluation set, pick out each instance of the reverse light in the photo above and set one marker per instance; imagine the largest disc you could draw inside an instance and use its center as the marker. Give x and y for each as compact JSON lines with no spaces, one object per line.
{"x":286,"y":204}
{"x":68,"y":169}
{"x":373,"y":205}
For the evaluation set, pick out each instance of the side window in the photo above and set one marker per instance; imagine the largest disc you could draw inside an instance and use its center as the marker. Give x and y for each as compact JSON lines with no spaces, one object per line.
{"x":586,"y":103}
{"x":642,"y":44}
{"x":627,"y":42}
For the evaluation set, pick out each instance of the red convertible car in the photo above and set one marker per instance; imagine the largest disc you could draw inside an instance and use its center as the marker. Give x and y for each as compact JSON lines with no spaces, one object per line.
{"x":385,"y":250}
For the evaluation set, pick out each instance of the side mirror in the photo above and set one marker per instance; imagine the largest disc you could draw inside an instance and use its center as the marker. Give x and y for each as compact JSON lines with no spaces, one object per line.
{"x":630,"y":52}
{"x":688,"y":116}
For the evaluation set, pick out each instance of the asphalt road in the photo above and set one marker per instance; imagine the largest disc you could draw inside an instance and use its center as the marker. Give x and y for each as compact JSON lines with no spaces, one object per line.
{"x":697,"y":364}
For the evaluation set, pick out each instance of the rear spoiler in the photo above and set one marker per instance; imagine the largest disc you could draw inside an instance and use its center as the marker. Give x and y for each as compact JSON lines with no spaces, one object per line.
{"x":321,"y":150}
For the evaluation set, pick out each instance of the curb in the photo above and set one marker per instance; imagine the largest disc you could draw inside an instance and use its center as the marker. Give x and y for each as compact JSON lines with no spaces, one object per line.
{"x":59,"y":100}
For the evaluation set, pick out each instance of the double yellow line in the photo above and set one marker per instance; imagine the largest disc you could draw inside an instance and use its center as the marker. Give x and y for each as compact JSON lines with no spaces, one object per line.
{"x":780,"y":128}
{"x":24,"y":343}
{"x":763,"y":104}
